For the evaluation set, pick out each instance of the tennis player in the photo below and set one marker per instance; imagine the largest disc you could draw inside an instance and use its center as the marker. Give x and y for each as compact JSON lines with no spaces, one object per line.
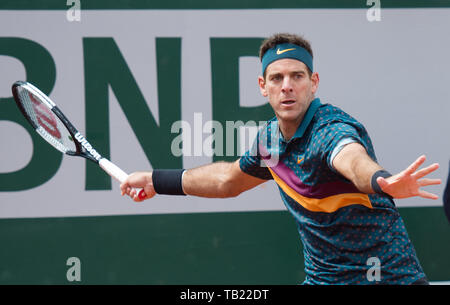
{"x":324,"y":164}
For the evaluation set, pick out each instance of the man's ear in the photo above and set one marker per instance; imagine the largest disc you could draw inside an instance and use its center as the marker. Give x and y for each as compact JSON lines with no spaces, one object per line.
{"x":262,"y":86}
{"x":315,"y":79}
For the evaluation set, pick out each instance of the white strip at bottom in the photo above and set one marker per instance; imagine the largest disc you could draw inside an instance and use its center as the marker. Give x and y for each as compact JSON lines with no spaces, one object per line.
{"x":440,"y":283}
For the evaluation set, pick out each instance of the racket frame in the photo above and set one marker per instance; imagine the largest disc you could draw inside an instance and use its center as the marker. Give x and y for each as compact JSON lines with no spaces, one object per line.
{"x":74,"y":133}
{"x":83,"y":147}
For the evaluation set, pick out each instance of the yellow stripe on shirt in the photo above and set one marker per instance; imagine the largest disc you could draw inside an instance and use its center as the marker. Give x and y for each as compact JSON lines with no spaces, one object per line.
{"x":328,"y":204}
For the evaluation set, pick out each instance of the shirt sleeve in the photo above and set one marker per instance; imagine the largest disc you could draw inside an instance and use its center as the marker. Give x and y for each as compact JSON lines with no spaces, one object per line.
{"x":327,"y":140}
{"x":252,"y":164}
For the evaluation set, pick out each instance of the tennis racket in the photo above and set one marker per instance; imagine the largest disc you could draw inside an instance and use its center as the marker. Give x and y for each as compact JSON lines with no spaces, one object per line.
{"x":52,"y":125}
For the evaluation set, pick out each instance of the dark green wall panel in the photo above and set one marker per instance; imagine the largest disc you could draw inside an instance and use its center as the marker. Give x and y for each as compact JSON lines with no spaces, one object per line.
{"x":203,"y":248}
{"x":213,"y":248}
{"x":429,"y":231}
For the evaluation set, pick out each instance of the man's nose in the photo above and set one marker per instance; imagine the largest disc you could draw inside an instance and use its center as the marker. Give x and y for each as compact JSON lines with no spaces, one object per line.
{"x":287,"y":85}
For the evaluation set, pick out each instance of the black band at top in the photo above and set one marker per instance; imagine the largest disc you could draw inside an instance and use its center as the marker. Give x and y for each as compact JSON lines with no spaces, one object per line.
{"x":168,"y":181}
{"x":375,"y":186}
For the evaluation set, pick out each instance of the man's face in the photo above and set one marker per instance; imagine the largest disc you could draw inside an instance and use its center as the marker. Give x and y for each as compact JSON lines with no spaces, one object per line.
{"x":289,"y":89}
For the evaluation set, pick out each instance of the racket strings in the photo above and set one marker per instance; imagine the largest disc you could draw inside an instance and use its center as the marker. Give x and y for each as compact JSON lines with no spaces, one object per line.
{"x":48,"y":125}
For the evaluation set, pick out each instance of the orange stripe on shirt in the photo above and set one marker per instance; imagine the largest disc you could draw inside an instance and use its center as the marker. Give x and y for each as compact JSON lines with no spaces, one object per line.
{"x":329,"y":204}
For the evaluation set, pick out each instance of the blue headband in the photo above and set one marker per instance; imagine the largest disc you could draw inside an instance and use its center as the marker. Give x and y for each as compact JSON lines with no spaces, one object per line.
{"x":287,"y":50}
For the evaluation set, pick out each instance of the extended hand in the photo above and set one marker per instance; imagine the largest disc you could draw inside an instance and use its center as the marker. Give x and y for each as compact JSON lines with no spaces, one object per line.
{"x":407,"y":184}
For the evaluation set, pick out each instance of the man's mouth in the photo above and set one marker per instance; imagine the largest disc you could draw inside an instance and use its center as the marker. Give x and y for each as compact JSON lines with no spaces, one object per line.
{"x":287,"y":102}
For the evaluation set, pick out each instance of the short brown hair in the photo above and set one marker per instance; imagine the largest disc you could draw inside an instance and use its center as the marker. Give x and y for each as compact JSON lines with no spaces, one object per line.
{"x":280,"y":38}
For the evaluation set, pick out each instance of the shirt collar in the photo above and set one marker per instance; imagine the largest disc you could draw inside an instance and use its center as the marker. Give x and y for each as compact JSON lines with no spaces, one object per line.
{"x":315,"y":104}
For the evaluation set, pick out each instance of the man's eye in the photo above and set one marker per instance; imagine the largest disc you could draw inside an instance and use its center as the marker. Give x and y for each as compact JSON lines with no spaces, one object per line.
{"x":276,"y":78}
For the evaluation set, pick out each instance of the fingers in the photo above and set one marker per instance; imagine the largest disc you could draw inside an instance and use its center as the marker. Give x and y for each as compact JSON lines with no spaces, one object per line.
{"x":125,"y":188}
{"x":405,"y":188}
{"x":134,"y":186}
{"x":426,"y":182}
{"x":138,"y":186}
{"x":133,"y":193}
{"x":425,"y":171}
{"x":143,"y":194}
{"x":427,"y":195}
{"x":415,"y":165}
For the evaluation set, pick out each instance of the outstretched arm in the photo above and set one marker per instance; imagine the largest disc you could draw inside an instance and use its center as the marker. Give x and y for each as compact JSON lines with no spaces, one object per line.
{"x":218,"y":180}
{"x":355,"y":164}
{"x":215,"y":180}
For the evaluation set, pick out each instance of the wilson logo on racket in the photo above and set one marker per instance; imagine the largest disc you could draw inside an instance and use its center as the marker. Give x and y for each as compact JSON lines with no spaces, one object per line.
{"x":87,"y":146}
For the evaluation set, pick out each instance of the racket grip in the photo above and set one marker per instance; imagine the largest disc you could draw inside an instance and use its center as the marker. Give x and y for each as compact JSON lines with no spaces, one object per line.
{"x":113,"y":170}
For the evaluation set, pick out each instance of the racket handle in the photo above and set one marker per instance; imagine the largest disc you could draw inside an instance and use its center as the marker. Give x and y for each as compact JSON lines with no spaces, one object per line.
{"x":118,"y":174}
{"x":113,"y":170}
